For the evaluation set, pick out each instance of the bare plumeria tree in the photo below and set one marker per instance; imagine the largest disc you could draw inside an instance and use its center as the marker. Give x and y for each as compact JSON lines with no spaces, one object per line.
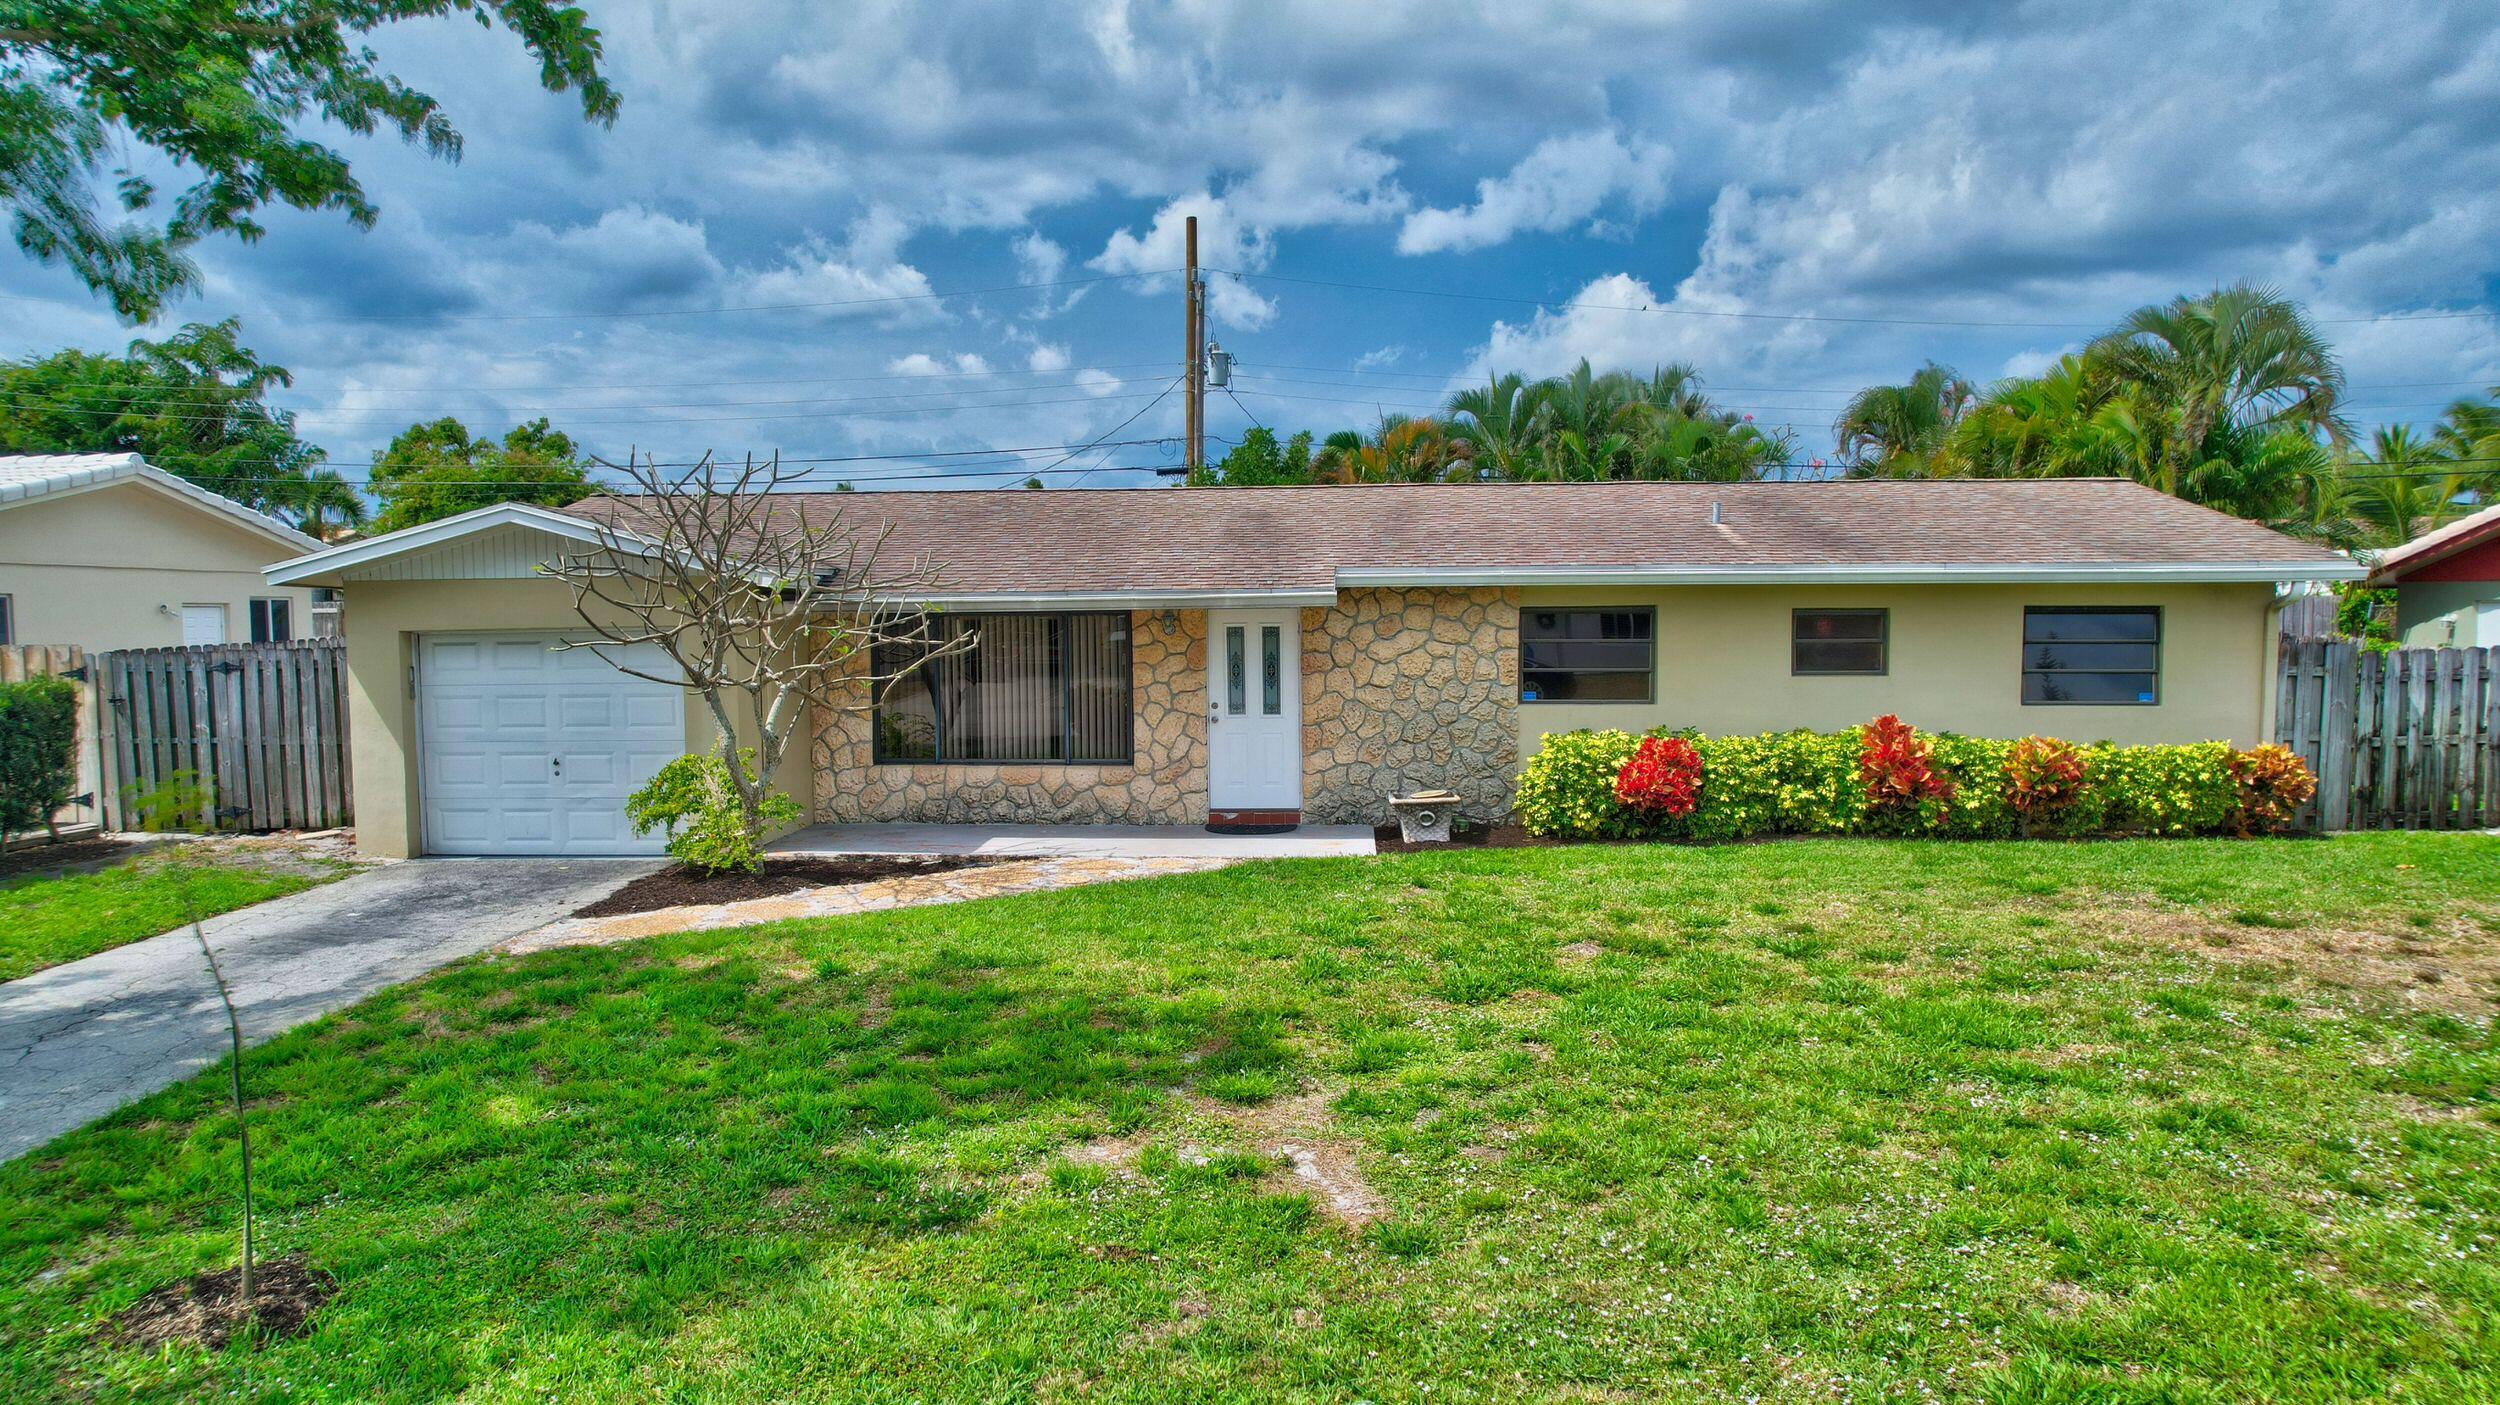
{"x":768,"y":604}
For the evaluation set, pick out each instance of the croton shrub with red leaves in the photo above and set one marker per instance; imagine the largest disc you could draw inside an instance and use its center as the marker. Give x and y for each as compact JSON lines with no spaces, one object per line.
{"x":1898,"y":767}
{"x":2044,"y":777}
{"x":2273,"y":784}
{"x":1662,"y":778}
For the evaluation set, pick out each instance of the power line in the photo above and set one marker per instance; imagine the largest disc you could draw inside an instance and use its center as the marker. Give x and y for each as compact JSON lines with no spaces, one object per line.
{"x":1132,"y":419}
{"x":141,"y":402}
{"x":1574,"y":304}
{"x":693,"y":311}
{"x":703,"y":419}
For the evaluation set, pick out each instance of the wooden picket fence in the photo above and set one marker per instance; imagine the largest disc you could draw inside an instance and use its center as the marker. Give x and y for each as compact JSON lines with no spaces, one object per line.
{"x":2408,"y":739}
{"x":261,"y":727}
{"x":19,"y":662}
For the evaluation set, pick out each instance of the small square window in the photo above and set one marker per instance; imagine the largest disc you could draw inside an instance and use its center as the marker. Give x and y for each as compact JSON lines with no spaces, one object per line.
{"x":272,"y":621}
{"x":1839,"y":641}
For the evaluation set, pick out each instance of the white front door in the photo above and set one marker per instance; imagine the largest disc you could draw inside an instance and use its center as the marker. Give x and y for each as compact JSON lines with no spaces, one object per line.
{"x":527,"y":749}
{"x":203,"y":624}
{"x":1254,"y":709}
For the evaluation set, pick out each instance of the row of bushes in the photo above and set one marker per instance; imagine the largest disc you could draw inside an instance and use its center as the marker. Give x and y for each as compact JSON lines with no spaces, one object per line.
{"x":1888,"y":778}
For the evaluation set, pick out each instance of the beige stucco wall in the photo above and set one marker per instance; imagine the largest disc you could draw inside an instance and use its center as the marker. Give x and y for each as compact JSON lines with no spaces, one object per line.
{"x":1166,"y":784}
{"x":1409,"y":690}
{"x":1955,"y":663}
{"x":2446,"y":614}
{"x":112,"y":567}
{"x":382,"y":720}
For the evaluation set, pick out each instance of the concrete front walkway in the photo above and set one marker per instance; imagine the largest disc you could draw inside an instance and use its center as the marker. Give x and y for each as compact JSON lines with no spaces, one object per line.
{"x":1080,"y":841}
{"x":80,"y":1040}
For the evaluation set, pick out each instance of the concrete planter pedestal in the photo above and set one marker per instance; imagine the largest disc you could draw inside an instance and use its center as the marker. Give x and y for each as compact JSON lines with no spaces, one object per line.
{"x":1424,"y":817}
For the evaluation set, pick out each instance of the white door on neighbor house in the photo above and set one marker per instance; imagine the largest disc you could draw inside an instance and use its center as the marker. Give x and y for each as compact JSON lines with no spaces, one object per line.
{"x":527,"y":749}
{"x":1254,"y":710}
{"x":203,"y":624}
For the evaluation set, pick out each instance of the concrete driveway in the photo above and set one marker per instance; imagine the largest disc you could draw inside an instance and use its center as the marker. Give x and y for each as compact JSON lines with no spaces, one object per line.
{"x":80,"y":1040}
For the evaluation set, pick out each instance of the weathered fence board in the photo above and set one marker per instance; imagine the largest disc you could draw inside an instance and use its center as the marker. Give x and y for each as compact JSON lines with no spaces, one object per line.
{"x":261,"y":727}
{"x":2406,"y":739}
{"x":19,"y":662}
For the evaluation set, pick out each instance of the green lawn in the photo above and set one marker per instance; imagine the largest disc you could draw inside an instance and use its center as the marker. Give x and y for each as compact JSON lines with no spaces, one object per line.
{"x":2203,"y":1121}
{"x":45,"y":921}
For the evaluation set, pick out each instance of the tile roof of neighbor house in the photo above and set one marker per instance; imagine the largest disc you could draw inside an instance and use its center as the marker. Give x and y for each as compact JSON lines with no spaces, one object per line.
{"x":25,"y":477}
{"x":1257,"y":540}
{"x":2460,"y":535}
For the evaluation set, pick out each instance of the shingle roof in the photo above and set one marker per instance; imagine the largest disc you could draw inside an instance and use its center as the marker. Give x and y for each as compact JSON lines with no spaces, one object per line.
{"x":27,"y":476}
{"x":1251,"y":540}
{"x":2457,"y":536}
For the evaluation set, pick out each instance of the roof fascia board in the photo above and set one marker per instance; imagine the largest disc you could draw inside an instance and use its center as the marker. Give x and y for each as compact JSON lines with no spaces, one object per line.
{"x":429,"y":535}
{"x":2183,"y":573}
{"x":1131,"y":600}
{"x":134,"y":469}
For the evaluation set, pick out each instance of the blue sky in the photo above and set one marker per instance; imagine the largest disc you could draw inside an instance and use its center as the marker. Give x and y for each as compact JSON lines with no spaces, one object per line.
{"x":1807,"y":196}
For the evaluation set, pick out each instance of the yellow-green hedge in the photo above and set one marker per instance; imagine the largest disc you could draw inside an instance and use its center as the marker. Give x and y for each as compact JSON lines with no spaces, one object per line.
{"x":1808,"y":783}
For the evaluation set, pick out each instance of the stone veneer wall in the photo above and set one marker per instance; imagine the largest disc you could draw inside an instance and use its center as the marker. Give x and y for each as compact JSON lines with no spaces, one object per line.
{"x":1167,"y":784}
{"x":1406,"y":690}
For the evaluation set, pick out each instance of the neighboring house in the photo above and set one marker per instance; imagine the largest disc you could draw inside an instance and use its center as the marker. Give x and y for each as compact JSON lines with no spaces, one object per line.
{"x":2447,"y":584}
{"x":1166,"y":656}
{"x":105,"y":552}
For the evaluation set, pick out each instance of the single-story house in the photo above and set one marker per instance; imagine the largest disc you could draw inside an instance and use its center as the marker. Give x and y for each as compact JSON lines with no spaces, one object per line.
{"x":2447,"y":584}
{"x":106,"y":551}
{"x":1181,"y":655}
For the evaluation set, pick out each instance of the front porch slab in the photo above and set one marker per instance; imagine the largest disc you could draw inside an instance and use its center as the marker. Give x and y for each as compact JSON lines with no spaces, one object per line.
{"x":1096,"y":841}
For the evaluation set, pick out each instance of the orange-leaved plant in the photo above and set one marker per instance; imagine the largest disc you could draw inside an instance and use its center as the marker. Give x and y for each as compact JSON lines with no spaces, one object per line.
{"x":1662,"y":777}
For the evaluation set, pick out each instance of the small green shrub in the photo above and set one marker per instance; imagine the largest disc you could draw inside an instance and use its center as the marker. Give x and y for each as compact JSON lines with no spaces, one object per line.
{"x":38,"y":752}
{"x":1779,"y":783}
{"x":1568,"y":789}
{"x":693,"y":798}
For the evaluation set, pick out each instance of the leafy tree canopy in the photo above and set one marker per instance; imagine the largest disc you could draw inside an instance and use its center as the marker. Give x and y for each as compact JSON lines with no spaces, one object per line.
{"x":190,"y":405}
{"x":438,"y":469}
{"x":215,"y":87}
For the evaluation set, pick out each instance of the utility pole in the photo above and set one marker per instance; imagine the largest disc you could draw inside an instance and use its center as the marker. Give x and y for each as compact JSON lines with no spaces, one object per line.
{"x":1194,"y":326}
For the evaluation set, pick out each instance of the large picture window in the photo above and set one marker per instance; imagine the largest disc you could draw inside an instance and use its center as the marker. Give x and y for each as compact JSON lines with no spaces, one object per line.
{"x":1585,"y":655}
{"x":1027,"y":688}
{"x":2092,"y":654}
{"x":1838,"y":641}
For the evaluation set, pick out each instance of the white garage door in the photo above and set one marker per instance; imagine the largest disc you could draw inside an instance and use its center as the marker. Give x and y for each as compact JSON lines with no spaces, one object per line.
{"x":529,"y":750}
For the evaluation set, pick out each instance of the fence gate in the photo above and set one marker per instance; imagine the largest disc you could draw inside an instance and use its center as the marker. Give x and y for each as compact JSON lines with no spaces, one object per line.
{"x":19,"y":662}
{"x":2408,"y":739}
{"x":261,"y":727}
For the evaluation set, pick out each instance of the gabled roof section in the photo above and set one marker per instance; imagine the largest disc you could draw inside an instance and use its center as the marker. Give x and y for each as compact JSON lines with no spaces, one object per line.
{"x":1219,"y":546}
{"x":1182,"y":544}
{"x":333,"y":564}
{"x":2464,"y":534}
{"x":28,"y":478}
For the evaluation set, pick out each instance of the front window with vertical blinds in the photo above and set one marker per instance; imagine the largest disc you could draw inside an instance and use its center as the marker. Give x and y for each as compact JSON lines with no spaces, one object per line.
{"x":1031,"y":688}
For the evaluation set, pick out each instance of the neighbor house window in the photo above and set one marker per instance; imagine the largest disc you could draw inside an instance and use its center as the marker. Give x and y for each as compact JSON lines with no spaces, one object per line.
{"x":1838,"y":641}
{"x":1015,"y":688}
{"x":8,"y":620}
{"x":1585,"y":655}
{"x":271,"y":622}
{"x":2092,"y":654}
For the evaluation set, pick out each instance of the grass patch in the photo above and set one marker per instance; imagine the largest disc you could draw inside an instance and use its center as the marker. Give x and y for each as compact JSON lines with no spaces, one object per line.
{"x":1853,"y":1119}
{"x":45,"y":921}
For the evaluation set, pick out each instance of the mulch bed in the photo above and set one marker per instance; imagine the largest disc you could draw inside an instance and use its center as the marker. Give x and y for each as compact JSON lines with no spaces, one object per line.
{"x":34,"y":856}
{"x":204,"y":1309}
{"x":686,"y":887}
{"x":1500,"y":836}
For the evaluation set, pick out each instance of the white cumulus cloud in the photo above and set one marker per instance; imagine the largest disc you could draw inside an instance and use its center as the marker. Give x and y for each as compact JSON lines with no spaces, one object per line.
{"x":1565,"y":181}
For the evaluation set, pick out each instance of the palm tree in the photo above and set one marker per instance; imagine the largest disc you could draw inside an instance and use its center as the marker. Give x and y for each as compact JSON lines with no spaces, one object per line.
{"x":1893,"y":428}
{"x":323,"y":504}
{"x":1500,"y":424}
{"x":1400,"y":450}
{"x":2244,"y":356}
{"x":2404,"y":488}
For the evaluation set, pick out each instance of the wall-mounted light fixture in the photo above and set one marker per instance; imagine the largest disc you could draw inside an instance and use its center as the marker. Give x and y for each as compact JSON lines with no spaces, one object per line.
{"x":1170,"y":620}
